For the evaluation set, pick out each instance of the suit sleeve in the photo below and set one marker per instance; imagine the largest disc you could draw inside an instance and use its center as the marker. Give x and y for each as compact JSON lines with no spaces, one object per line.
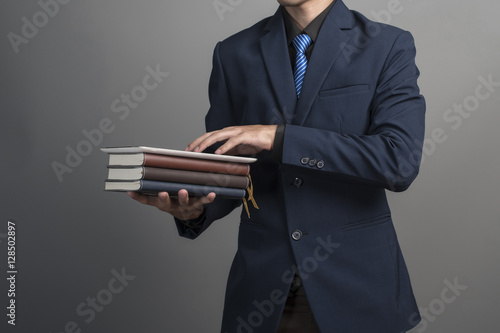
{"x":389,"y":154}
{"x":219,"y":116}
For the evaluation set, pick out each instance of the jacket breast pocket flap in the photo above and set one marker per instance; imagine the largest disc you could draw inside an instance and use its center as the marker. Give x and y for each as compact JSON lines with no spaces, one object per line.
{"x":359,"y":88}
{"x":368,"y":223}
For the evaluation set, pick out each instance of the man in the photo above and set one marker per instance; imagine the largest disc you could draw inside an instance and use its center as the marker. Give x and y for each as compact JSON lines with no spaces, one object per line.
{"x":329,"y":102}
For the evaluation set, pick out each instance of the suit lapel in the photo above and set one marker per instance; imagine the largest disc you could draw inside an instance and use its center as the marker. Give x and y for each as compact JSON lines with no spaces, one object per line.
{"x":326,"y":50}
{"x":276,"y":58}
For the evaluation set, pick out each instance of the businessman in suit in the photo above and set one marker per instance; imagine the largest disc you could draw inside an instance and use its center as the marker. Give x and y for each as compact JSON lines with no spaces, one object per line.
{"x":329,"y":103}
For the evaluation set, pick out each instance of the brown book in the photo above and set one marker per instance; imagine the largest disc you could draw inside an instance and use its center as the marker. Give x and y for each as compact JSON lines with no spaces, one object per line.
{"x":178,"y":176}
{"x":180,"y":163}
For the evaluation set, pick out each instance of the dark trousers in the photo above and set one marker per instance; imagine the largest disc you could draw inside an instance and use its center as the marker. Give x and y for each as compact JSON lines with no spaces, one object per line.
{"x":297,"y":315}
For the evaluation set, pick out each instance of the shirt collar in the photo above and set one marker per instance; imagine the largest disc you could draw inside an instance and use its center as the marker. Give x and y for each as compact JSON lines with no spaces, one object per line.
{"x":312,"y":30}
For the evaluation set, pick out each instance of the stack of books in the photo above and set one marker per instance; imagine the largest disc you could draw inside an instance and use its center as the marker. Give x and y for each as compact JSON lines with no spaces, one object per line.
{"x":151,"y":170}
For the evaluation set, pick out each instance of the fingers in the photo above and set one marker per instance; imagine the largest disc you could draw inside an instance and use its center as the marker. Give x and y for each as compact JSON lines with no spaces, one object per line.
{"x":257,"y":137}
{"x":234,"y":136}
{"x":163,"y":202}
{"x":190,"y":208}
{"x":208,"y":199}
{"x":193,"y":146}
{"x":183,"y":197}
{"x":143,"y":199}
{"x":195,"y":202}
{"x":210,"y":138}
{"x":183,"y":207}
{"x":231,"y":144}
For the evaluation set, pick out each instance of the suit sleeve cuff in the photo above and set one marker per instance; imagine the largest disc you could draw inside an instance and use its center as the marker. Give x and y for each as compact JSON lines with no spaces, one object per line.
{"x":194,"y":223}
{"x":278,"y":143}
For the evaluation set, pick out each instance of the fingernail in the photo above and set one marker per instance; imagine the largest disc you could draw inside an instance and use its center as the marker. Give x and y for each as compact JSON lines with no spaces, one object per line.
{"x":196,"y":149}
{"x":218,"y":151}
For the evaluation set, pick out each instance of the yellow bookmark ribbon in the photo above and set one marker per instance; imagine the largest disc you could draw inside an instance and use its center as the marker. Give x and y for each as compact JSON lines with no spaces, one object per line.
{"x":250,"y":197}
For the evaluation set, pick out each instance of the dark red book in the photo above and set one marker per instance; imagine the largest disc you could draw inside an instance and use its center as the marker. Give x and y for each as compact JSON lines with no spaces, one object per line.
{"x":180,"y":163}
{"x":178,"y":159}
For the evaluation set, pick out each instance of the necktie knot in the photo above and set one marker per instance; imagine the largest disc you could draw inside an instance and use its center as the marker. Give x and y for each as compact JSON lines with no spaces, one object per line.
{"x":301,"y":43}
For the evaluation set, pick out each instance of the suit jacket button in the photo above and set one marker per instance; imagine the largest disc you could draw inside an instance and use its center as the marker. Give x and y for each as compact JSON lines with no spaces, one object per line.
{"x":320,"y":164}
{"x":296,"y":235}
{"x":304,"y":160}
{"x":312,"y":162}
{"x":298,"y":182}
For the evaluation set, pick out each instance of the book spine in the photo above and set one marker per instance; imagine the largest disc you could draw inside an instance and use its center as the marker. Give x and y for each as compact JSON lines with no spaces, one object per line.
{"x":196,"y":177}
{"x":151,"y":186}
{"x":182,"y":163}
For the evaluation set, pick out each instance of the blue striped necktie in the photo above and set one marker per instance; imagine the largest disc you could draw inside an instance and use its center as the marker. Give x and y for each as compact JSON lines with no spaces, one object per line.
{"x":301,"y":43}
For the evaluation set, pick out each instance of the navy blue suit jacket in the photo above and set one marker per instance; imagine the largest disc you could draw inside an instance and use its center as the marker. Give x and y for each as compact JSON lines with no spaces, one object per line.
{"x":356,"y":131}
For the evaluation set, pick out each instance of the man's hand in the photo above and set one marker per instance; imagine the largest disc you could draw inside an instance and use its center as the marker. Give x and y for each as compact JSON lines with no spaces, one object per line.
{"x":184,"y":208}
{"x":250,"y":139}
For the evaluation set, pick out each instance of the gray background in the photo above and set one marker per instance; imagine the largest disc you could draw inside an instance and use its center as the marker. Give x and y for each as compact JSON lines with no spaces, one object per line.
{"x":71,"y":234}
